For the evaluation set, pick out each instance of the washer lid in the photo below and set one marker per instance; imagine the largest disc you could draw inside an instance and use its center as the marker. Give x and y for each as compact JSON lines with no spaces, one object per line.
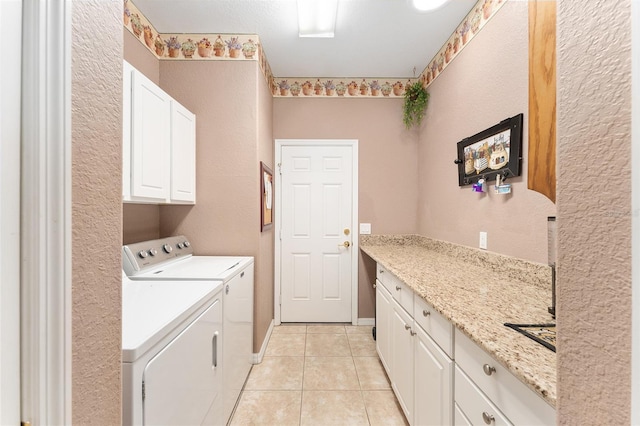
{"x":197,"y":268}
{"x":151,"y":310}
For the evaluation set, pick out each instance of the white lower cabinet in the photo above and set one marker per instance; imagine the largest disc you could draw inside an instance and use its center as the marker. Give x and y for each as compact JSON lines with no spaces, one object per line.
{"x":416,"y":347}
{"x":485,"y":389}
{"x":433,"y":382}
{"x":476,"y":408}
{"x":421,"y":372}
{"x":458,"y":416}
{"x":383,"y":325}
{"x":402,"y":371}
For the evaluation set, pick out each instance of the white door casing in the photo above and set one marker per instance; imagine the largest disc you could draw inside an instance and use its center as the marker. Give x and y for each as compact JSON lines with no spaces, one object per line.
{"x":10,"y":29}
{"x":46,"y":212}
{"x":315,"y":215}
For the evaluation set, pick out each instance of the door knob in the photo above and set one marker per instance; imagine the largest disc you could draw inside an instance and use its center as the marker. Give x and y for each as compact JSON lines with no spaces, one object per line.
{"x":346,"y":244}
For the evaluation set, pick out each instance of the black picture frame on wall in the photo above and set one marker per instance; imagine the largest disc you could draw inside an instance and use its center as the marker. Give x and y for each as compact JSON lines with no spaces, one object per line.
{"x":492,"y":152}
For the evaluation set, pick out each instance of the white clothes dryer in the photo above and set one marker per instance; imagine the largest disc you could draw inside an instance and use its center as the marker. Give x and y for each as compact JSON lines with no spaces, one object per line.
{"x":171,"y":352}
{"x":172,"y":259}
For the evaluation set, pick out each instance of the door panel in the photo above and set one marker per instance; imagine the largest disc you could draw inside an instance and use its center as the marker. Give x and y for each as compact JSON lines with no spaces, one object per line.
{"x":184,"y":379}
{"x":316,"y":209}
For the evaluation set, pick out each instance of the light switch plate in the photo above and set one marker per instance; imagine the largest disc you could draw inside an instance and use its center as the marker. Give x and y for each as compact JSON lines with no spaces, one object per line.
{"x":365,"y":229}
{"x":483,"y":240}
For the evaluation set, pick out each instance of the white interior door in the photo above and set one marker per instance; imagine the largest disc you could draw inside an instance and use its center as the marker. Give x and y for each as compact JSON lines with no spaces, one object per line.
{"x":316,"y":225}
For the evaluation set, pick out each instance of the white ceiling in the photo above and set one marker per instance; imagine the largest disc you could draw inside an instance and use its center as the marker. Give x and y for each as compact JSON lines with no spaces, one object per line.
{"x":373,"y":38}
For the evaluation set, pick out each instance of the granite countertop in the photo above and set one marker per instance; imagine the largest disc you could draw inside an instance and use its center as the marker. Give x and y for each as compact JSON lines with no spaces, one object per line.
{"x":478,"y":291}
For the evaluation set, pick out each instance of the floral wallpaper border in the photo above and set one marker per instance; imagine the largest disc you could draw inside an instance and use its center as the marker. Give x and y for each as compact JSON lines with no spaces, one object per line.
{"x":217,"y":47}
{"x":339,"y":87}
{"x":248,"y":47}
{"x":471,"y":25}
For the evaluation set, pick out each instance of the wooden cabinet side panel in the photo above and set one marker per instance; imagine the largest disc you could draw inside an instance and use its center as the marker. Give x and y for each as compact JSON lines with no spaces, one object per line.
{"x":542,"y":98}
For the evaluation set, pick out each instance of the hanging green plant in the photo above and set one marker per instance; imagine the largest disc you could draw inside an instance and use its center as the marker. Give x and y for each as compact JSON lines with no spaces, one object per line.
{"x":415,"y":104}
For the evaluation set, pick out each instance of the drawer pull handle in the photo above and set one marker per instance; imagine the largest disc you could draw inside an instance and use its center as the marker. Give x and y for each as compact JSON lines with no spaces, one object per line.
{"x":413,"y":333}
{"x":407,"y":327}
{"x":488,"y":418}
{"x":398,"y":288}
{"x":426,"y":313}
{"x":488,"y":369}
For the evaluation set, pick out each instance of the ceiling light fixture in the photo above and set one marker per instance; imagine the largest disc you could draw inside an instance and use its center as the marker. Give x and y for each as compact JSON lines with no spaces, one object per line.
{"x":427,"y":5}
{"x":317,"y":18}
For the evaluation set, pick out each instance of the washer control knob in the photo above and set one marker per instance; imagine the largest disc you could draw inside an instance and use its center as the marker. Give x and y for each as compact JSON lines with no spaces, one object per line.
{"x":180,"y":245}
{"x":153,"y":252}
{"x":142,"y":254}
{"x":167,"y":248}
{"x":187,"y":244}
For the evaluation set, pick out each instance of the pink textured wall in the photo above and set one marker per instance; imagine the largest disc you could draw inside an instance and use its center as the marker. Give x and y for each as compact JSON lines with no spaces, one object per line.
{"x":388,"y":166}
{"x":140,"y":57}
{"x":140,"y":222}
{"x":96,"y":103}
{"x":486,"y":83}
{"x":263,"y":309}
{"x":223,"y":97}
{"x":594,"y":212}
{"x":232,"y":137}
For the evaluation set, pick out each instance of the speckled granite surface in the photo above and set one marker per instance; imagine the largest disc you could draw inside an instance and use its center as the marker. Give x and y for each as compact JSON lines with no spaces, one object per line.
{"x":478,"y":291}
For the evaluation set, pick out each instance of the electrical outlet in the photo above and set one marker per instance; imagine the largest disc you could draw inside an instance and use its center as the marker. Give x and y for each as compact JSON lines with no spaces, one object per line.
{"x":483,"y":240}
{"x":365,"y":229}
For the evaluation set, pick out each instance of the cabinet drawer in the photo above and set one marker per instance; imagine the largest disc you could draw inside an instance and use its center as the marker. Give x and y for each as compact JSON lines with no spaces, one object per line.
{"x":403,"y":294}
{"x":385,"y":277}
{"x":436,"y":326}
{"x":521,"y":404}
{"x":476,"y":408}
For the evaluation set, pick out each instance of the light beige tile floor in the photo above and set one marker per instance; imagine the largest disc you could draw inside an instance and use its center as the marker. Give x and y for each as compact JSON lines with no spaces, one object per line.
{"x":317,"y":375}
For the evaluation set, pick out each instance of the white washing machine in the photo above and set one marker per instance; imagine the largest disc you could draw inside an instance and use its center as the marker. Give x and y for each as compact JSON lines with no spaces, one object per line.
{"x":171,"y":352}
{"x":172,"y":259}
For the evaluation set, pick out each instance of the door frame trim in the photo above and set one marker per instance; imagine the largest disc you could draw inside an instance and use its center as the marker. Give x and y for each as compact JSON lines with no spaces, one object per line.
{"x":279,"y":144}
{"x":46,"y":213}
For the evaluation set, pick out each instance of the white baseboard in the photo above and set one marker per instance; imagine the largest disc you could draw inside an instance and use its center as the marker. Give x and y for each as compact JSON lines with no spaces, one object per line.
{"x":257,"y":358}
{"x":367,"y":321}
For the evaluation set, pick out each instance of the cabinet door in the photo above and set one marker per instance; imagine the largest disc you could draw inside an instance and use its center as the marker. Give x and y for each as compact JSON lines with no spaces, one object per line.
{"x":150,"y":138}
{"x":402,"y":358}
{"x":433,"y":382}
{"x":183,"y":380}
{"x":383,"y":324}
{"x":183,"y":154}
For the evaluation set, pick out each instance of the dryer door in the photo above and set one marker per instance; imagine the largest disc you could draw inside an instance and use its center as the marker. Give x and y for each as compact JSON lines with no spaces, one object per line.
{"x":183,"y":382}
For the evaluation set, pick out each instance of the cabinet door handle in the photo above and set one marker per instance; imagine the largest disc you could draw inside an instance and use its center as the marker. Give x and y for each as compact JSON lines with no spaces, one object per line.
{"x":426,"y":313}
{"x":407,"y":327}
{"x":488,"y":418}
{"x":413,"y":333}
{"x":398,"y":288}
{"x":488,"y":369}
{"x":214,"y":348}
{"x":381,"y":271}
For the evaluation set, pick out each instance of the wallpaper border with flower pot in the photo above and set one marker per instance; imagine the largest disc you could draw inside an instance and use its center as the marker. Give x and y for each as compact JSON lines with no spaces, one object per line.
{"x":209,"y":47}
{"x":219,"y":47}
{"x":470,"y":26}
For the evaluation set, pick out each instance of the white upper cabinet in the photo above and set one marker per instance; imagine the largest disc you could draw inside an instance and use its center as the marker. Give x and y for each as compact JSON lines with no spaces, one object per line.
{"x":158,"y":144}
{"x":183,"y":154}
